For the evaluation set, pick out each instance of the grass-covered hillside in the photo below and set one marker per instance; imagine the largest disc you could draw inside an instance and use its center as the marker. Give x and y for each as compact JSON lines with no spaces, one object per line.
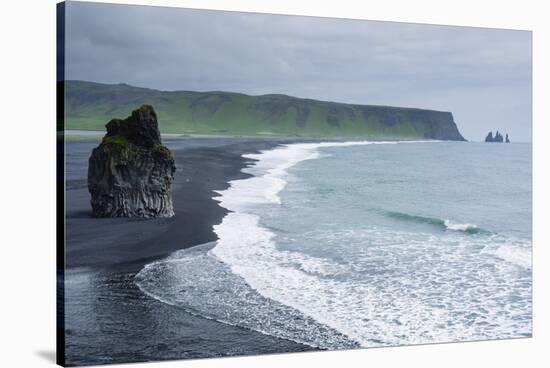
{"x":91,"y":105}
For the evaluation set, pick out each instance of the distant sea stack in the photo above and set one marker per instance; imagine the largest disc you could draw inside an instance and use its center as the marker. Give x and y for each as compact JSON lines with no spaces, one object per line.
{"x":230,"y":113}
{"x":497,"y":138}
{"x":130,"y":173}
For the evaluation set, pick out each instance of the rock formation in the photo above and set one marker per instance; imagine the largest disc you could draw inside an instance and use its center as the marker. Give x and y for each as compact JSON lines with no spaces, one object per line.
{"x":496,"y":138}
{"x":130,"y":173}
{"x":507,"y":139}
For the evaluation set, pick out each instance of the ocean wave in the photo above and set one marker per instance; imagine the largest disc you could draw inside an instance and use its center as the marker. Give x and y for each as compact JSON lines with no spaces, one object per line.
{"x":509,"y":249}
{"x":441,"y":223}
{"x":467,"y":228}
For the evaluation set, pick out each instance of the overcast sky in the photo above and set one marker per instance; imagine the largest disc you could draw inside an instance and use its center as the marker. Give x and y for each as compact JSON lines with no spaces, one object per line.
{"x":483,"y":76}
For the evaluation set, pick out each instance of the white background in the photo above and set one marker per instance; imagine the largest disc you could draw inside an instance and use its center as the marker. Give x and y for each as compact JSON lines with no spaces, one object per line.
{"x":27,"y":180}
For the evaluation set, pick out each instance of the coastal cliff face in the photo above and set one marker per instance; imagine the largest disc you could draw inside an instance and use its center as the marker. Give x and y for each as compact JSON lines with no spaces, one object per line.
{"x":239,"y":114}
{"x":438,"y":125}
{"x":130,"y":173}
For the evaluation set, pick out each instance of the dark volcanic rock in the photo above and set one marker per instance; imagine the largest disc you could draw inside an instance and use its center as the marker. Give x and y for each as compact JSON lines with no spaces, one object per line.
{"x":497,"y":138}
{"x":130,"y":173}
{"x":141,"y":128}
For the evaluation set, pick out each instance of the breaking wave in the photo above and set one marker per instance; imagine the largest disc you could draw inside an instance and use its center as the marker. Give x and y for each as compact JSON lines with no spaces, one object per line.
{"x":442,"y":224}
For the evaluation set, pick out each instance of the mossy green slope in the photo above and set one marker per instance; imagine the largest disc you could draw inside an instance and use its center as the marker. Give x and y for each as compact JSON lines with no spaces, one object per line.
{"x":90,"y":105}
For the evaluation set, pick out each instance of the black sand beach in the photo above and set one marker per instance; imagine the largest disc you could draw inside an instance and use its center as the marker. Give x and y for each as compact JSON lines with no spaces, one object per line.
{"x":107,"y":318}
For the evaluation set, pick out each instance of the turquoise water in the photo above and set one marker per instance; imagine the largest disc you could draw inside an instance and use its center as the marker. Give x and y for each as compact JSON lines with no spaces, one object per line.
{"x":367,"y":244}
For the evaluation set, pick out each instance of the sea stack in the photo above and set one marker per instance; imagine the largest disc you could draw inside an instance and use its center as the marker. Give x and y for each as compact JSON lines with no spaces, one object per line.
{"x":497,"y":138}
{"x":130,"y":173}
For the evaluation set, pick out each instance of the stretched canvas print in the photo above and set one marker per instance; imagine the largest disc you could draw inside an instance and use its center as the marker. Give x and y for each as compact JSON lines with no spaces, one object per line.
{"x":235,"y":183}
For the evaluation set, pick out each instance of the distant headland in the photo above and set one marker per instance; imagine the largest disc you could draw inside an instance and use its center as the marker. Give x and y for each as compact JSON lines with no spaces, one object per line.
{"x":89,"y":105}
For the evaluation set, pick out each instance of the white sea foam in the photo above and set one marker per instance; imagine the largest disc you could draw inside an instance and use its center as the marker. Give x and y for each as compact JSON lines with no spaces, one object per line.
{"x":519,"y":256}
{"x":270,"y":170}
{"x":380,"y":310}
{"x":202,"y":285}
{"x":512,"y":251}
{"x":459,"y":227}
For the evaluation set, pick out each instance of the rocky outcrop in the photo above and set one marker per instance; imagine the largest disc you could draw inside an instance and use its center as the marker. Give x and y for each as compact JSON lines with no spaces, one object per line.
{"x":130,"y":173}
{"x":496,"y":138}
{"x":507,"y":139}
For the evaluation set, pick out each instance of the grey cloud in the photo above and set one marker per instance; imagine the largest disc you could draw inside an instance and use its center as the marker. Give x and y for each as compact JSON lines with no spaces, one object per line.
{"x":482,"y":75}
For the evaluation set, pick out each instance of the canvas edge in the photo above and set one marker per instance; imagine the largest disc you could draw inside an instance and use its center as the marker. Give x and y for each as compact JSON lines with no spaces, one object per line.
{"x":60,"y":183}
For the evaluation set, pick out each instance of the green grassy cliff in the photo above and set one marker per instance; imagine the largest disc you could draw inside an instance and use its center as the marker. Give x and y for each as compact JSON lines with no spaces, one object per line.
{"x":91,"y":105}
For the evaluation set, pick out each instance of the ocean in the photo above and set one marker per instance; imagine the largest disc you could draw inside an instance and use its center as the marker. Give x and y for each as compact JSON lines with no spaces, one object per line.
{"x":366,"y":244}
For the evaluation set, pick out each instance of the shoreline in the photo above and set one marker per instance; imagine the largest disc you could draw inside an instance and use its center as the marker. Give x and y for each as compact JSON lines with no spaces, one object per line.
{"x":202,"y":169}
{"x":103,"y":256}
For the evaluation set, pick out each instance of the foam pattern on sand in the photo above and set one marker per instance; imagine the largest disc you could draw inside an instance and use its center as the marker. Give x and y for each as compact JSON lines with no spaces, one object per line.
{"x":199,"y":283}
